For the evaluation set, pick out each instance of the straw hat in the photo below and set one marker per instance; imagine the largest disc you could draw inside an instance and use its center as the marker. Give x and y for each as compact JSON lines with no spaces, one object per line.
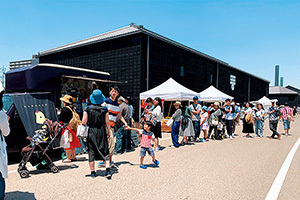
{"x":67,"y":99}
{"x":177,"y":103}
{"x":217,"y":104}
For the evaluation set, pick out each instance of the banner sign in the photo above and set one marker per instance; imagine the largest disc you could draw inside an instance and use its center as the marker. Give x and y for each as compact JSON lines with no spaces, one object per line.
{"x":34,"y":109}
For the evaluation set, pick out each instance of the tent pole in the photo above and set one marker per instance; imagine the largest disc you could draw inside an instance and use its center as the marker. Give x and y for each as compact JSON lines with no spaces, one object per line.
{"x":139,"y":110}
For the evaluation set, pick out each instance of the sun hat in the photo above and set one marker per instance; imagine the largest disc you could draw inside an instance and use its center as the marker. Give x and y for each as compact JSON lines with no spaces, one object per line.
{"x":195,"y":97}
{"x":177,"y":103}
{"x":67,"y":99}
{"x":216,"y":104}
{"x":97,"y":97}
{"x":204,"y":108}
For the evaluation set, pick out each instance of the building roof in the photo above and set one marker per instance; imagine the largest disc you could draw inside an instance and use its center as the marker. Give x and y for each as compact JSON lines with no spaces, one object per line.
{"x":129,"y":30}
{"x":293,"y":88}
{"x":280,"y":90}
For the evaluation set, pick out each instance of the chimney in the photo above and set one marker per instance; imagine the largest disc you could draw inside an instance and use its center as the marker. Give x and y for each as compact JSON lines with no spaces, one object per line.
{"x":281,"y":81}
{"x":276,"y":75}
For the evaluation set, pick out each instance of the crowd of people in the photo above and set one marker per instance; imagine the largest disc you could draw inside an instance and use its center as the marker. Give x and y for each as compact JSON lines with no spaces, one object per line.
{"x":109,"y":121}
{"x":110,"y":125}
{"x":219,"y":121}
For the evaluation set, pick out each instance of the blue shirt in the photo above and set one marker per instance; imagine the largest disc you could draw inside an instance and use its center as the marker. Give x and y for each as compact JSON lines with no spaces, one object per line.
{"x":229,"y":115}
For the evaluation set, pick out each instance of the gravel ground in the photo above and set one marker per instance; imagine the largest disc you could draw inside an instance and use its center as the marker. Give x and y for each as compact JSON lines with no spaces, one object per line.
{"x":242,"y":168}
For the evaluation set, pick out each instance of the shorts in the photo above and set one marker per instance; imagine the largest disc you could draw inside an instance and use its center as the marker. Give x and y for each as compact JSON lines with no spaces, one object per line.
{"x":286,"y":124}
{"x":144,"y":150}
{"x":204,"y":127}
{"x":111,"y":142}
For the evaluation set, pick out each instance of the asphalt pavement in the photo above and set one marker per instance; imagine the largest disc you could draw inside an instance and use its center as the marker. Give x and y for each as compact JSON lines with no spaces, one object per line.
{"x":242,"y":168}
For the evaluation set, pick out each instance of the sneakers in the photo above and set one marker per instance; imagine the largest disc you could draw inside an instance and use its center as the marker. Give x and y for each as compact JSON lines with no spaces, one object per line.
{"x":230,"y":137}
{"x":93,"y":174}
{"x":156,"y":162}
{"x":143,"y":166}
{"x":108,"y":173}
{"x":156,"y":149}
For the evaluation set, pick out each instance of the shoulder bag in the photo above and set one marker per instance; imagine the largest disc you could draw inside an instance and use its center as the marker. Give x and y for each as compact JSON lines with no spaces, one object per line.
{"x":289,"y":117}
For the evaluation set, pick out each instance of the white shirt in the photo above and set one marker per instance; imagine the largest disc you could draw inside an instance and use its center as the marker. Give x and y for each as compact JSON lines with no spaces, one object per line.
{"x":260,"y":114}
{"x":157,"y":113}
{"x":198,"y":107}
{"x":203,"y":116}
{"x":4,"y":127}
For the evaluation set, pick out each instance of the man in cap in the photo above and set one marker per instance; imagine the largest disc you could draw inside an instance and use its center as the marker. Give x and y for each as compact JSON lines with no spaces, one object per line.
{"x":196,"y":109}
{"x":273,"y":120}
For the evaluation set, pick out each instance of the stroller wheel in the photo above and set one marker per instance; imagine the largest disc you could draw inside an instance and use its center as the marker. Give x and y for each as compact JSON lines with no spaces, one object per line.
{"x":54,"y":169}
{"x":24,"y":173}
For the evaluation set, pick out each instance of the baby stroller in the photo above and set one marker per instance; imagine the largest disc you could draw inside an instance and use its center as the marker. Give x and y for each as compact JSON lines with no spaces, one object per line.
{"x":35,"y":153}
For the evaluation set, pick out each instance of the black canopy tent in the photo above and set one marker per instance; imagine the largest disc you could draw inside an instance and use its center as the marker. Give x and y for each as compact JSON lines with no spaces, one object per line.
{"x":48,"y":78}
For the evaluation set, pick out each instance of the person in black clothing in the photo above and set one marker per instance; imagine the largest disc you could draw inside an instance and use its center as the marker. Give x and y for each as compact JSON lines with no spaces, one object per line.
{"x":97,"y":119}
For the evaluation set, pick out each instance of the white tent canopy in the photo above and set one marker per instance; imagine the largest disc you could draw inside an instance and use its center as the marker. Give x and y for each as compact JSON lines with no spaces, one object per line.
{"x":265,"y":101}
{"x":169,"y":91}
{"x":212,"y":94}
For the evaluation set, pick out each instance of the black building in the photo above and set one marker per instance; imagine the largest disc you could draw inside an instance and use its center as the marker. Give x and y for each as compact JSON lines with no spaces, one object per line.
{"x":284,"y":95}
{"x":142,"y":59}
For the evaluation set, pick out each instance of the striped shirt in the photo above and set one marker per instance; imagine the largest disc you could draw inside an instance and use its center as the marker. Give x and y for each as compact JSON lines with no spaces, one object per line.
{"x":113,"y":110}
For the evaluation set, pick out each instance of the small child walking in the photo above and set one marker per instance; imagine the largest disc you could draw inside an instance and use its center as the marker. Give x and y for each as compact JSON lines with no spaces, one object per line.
{"x":146,"y":145}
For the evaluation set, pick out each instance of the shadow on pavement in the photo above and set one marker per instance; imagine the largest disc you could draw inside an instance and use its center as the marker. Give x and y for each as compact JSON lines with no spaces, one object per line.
{"x":117,"y":164}
{"x":19,"y":195}
{"x":61,"y":168}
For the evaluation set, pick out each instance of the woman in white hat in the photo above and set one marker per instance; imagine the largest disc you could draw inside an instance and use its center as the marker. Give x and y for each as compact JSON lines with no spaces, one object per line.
{"x":176,"y":124}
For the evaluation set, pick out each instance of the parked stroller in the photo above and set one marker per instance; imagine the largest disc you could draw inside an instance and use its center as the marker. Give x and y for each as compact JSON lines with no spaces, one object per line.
{"x":40,"y":142}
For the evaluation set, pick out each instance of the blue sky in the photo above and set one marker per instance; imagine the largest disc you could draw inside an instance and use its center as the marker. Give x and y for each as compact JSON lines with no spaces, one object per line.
{"x":251,"y":35}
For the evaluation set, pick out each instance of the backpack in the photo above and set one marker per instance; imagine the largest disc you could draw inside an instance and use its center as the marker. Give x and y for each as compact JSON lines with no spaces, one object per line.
{"x":75,"y":121}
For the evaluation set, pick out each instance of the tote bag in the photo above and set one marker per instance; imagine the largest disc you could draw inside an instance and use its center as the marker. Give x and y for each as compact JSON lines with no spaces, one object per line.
{"x":64,"y":141}
{"x":170,"y":122}
{"x":82,"y":131}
